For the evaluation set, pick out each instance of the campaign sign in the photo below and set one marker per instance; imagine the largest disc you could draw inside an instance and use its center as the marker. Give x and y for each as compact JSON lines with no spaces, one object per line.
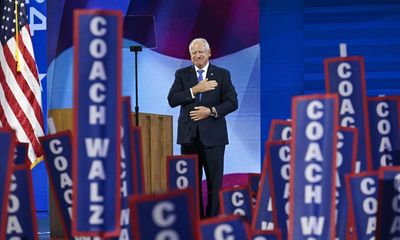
{"x":312,"y":175}
{"x":345,"y":164}
{"x":264,"y":217}
{"x":280,"y":130}
{"x":58,"y":160}
{"x":266,"y":235}
{"x":236,"y":200}
{"x":164,"y":216}
{"x":182,"y":173}
{"x":254,"y":183}
{"x":127,"y":170}
{"x":278,"y":162}
{"x":362,"y":193}
{"x":21,"y":215}
{"x":97,"y":123}
{"x":7,"y":147}
{"x":136,"y":133}
{"x":224,"y":227}
{"x":384,"y":128}
{"x":346,"y":77}
{"x":388,"y":226}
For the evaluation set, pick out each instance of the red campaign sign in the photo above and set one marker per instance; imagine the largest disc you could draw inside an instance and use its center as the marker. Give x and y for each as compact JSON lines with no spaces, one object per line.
{"x":313,"y":167}
{"x":280,"y":130}
{"x":346,"y":77}
{"x":384,"y":119}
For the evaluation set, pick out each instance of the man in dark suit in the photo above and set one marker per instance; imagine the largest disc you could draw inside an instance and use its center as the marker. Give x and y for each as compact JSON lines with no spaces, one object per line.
{"x":205,"y":95}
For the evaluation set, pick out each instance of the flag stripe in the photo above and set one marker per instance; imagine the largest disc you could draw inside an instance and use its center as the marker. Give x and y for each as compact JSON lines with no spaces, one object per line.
{"x":27,"y":44}
{"x":18,"y":87}
{"x":22,"y":119}
{"x":30,"y":72}
{"x":9,"y":114}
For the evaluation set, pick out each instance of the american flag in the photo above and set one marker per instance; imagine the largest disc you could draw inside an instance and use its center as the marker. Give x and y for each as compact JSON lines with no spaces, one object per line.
{"x":20,"y":92}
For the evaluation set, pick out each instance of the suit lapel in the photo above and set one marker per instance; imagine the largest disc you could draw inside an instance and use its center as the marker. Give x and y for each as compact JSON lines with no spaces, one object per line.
{"x":192,"y":75}
{"x":210,"y":72}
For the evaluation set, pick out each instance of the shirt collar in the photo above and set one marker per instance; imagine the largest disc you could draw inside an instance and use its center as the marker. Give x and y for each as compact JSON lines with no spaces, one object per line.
{"x":205,"y":68}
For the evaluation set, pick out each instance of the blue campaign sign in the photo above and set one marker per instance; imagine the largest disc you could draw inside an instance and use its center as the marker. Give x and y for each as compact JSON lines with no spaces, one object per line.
{"x":58,"y":159}
{"x":312,"y":169}
{"x":279,"y":169}
{"x":7,"y":147}
{"x":164,"y":216}
{"x":265,"y":214}
{"x":236,"y":200}
{"x":128,"y":179}
{"x":224,"y":227}
{"x":266,"y":235}
{"x":345,"y":164}
{"x":384,"y":127}
{"x":182,"y":173}
{"x":138,"y":160}
{"x":362,"y":193}
{"x":388,"y":223}
{"x":97,"y":123}
{"x":346,"y":77}
{"x":280,"y":130}
{"x":21,"y":215}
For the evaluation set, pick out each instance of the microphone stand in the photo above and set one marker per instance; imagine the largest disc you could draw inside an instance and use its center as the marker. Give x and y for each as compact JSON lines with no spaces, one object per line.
{"x":136,"y":49}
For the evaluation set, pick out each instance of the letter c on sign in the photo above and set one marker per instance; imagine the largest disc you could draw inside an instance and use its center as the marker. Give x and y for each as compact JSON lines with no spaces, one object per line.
{"x":382,"y":109}
{"x":237,"y":199}
{"x":163,"y":214}
{"x":224,"y":232}
{"x":55,"y":147}
{"x":314,"y":110}
{"x":181,"y":167}
{"x":343,"y":70}
{"x":367,"y":186}
{"x":97,"y":26}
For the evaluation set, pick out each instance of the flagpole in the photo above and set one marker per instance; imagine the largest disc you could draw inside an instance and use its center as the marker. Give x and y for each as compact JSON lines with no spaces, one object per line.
{"x":17,"y":37}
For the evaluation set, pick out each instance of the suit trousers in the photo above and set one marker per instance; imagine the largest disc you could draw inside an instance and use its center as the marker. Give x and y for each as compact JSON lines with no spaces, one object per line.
{"x":211,"y":159}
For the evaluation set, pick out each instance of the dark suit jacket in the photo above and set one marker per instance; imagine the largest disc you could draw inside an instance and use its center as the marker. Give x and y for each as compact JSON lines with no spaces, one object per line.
{"x":213,"y":131}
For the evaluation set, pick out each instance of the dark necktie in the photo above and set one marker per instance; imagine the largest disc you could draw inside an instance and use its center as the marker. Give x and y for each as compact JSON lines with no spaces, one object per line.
{"x":199,"y":78}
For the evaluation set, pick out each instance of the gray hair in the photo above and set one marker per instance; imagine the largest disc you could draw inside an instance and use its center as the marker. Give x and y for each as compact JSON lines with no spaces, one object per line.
{"x":202,"y":40}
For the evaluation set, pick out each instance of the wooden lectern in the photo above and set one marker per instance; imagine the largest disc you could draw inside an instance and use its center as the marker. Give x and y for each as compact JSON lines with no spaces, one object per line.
{"x":156,"y":142}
